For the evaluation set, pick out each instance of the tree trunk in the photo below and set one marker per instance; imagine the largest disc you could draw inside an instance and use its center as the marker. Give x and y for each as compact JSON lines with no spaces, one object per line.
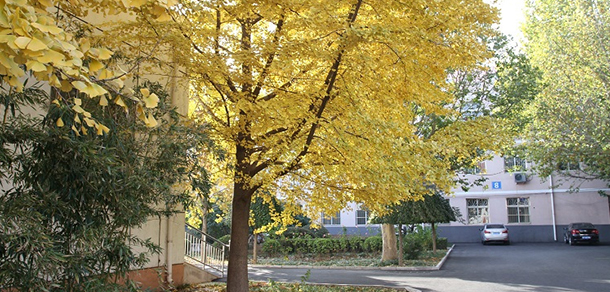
{"x":433,"y":237}
{"x":388,"y":234}
{"x":401,"y":239}
{"x":254,"y":248}
{"x":237,"y":278}
{"x":204,"y":217}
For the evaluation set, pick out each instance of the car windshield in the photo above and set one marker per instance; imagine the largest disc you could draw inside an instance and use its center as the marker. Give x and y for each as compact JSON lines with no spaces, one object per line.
{"x":494,"y":226}
{"x":582,"y":226}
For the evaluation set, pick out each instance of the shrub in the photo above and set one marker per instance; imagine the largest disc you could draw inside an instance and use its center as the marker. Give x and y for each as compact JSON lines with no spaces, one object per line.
{"x":412,"y":247}
{"x":355,"y":243}
{"x":441,"y":243}
{"x":271,"y":246}
{"x":342,"y":244}
{"x":305,"y":232}
{"x":373,"y":244}
{"x":322,"y":246}
{"x":301,"y":245}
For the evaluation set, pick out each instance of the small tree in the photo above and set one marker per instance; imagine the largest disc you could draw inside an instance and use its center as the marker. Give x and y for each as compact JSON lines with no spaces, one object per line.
{"x":433,"y":209}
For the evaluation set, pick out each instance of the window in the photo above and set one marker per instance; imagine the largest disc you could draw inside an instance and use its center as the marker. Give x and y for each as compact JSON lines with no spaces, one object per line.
{"x":518,"y":210}
{"x":573,"y":165}
{"x":362,"y":217}
{"x":336,"y":220}
{"x":478,"y":169}
{"x":478,"y":212}
{"x":514,"y":163}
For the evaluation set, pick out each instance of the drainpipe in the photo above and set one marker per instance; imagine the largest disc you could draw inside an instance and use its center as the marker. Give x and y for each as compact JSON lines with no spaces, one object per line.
{"x":553,"y":207}
{"x":168,"y":250}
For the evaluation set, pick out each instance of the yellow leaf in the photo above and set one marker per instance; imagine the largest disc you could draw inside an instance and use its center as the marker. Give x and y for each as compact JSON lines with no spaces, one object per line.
{"x":140,"y":113}
{"x":85,"y":45}
{"x":51,"y":56}
{"x":103,"y":101}
{"x":79,"y":85}
{"x":151,"y":101}
{"x":119,"y":101}
{"x":151,"y":122}
{"x":75,"y":130}
{"x":137,"y":3}
{"x":95,"y":65}
{"x":83,"y":129}
{"x":78,"y":109}
{"x":77,"y":119}
{"x":36,"y":66}
{"x":89,"y":122}
{"x":101,"y":129}
{"x":104,"y":54}
{"x":22,"y":42}
{"x":56,"y":102}
{"x":78,"y":101}
{"x":59,"y":123}
{"x":37,"y":45}
{"x":46,"y":3}
{"x":145,"y":92}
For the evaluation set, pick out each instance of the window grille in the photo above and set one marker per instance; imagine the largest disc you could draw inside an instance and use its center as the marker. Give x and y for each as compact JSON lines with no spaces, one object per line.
{"x":331,"y":220}
{"x":518,"y":210}
{"x":362,"y":217}
{"x":478,"y":211}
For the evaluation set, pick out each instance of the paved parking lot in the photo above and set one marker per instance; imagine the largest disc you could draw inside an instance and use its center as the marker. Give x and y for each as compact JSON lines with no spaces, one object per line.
{"x":475,"y":267}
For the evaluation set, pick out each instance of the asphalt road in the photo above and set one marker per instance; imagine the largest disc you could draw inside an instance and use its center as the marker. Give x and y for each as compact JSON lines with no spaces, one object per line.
{"x":475,"y":267}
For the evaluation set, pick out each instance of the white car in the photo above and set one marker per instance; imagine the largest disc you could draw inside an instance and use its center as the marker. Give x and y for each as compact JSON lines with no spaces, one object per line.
{"x":494,"y":233}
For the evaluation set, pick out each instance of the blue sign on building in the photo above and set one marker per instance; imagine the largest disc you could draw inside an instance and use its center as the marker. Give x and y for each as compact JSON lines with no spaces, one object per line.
{"x":496,"y":185}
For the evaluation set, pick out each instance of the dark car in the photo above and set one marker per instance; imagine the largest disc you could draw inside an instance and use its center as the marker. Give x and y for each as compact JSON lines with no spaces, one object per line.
{"x":581,"y":232}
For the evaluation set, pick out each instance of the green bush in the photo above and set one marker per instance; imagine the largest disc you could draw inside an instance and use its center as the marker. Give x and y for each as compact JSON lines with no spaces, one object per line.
{"x":413,"y":247}
{"x":301,"y":245}
{"x":322,"y":246}
{"x":373,"y":244}
{"x":441,"y":243}
{"x":271,"y":246}
{"x":342,"y":244}
{"x":355,"y":243}
{"x":305,"y":232}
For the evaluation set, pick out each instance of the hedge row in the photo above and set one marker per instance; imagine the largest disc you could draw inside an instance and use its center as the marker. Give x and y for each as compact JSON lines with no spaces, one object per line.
{"x":322,"y":245}
{"x":414,"y":245}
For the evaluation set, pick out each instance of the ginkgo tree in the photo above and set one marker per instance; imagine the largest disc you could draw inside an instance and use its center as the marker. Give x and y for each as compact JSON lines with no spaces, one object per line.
{"x":35,"y":39}
{"x":320,"y":99}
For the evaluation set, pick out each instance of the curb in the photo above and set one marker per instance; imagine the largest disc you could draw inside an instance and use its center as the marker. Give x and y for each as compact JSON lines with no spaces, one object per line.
{"x":427,"y":268}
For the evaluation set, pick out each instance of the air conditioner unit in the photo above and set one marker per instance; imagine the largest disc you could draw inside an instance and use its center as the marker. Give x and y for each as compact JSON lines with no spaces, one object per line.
{"x":520,"y":177}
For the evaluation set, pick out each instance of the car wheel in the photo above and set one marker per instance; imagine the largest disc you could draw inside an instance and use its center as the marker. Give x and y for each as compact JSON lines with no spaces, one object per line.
{"x":570,"y":241}
{"x":507,"y":242}
{"x":565,"y":239}
{"x":484,"y":242}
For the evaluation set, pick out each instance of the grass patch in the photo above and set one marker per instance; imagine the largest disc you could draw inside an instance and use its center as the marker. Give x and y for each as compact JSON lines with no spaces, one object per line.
{"x":286,"y":287}
{"x":427,"y":258}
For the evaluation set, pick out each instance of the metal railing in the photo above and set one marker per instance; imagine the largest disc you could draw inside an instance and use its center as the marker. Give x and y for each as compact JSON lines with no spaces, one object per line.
{"x":205,"y":250}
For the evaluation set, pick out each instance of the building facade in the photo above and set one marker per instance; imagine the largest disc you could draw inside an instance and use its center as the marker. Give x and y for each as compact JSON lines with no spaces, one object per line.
{"x":535,"y":209}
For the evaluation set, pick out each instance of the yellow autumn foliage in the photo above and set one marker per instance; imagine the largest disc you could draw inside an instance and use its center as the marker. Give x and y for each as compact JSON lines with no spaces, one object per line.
{"x":31,"y":34}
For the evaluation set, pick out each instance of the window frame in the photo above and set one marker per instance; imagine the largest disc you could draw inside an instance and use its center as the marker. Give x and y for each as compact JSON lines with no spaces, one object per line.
{"x":366,"y":216}
{"x":332,"y":220}
{"x":518,"y":164}
{"x":520,"y":208}
{"x":482,"y":211}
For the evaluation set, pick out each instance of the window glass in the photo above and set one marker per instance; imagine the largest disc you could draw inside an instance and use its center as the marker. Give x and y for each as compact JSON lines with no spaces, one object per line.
{"x":362,"y":217}
{"x":518,"y":210}
{"x":478,"y":211}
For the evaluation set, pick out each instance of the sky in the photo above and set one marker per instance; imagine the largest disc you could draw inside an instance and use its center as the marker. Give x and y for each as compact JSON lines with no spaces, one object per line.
{"x":511,"y":13}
